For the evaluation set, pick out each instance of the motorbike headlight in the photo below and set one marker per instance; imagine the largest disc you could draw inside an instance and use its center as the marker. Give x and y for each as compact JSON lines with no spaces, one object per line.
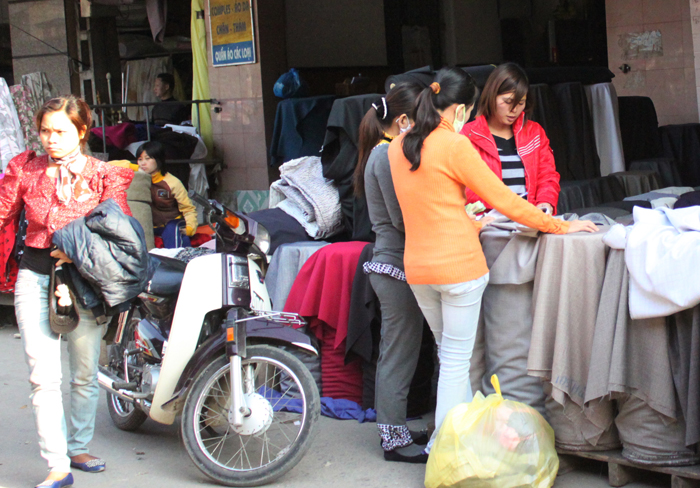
{"x":262,"y":239}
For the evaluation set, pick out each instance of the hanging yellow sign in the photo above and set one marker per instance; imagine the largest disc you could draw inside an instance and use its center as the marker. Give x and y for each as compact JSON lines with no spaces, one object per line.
{"x":231,"y":28}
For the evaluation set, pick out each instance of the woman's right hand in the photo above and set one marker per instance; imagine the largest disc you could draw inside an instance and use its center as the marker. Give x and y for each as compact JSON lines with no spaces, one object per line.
{"x":582,"y":226}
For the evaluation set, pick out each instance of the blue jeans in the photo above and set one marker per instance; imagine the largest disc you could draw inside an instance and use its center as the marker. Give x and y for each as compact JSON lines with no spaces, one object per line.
{"x":452,"y":312}
{"x":171,"y":235}
{"x":42,"y":350}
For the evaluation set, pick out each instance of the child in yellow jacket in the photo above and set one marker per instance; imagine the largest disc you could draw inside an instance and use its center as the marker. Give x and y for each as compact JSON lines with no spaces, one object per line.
{"x":174,"y":215}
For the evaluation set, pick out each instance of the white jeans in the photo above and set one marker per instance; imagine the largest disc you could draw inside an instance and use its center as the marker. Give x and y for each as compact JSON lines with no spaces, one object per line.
{"x":43,"y":355}
{"x":452,"y":311}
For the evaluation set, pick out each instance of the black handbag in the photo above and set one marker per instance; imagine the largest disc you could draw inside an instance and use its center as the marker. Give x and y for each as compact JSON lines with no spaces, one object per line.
{"x":62,"y":319}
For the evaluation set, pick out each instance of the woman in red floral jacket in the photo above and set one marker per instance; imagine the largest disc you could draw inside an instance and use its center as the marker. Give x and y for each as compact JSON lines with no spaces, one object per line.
{"x":515,"y":148}
{"x":54,"y":190}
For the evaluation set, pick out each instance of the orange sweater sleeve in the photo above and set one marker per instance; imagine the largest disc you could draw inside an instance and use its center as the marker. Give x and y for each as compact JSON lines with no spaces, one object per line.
{"x":466,"y":166}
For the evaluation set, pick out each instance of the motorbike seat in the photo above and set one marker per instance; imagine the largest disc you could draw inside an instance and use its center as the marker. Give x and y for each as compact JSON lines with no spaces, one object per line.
{"x":168,"y":276}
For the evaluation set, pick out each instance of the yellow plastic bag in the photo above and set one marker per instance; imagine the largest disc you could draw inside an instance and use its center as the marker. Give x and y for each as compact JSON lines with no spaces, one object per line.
{"x":493,"y":443}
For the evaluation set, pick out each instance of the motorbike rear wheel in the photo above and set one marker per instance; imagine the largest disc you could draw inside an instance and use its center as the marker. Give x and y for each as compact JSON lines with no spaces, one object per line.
{"x":284,"y":409}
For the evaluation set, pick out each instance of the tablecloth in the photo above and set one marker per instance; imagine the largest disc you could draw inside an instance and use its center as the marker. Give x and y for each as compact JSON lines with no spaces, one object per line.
{"x":665,"y":167}
{"x":638,"y":182}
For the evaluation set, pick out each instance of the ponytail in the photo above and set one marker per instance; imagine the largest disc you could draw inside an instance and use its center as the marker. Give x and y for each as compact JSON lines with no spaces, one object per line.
{"x":371,"y":132}
{"x":427,"y":119}
{"x":400,"y":100}
{"x":451,"y":86}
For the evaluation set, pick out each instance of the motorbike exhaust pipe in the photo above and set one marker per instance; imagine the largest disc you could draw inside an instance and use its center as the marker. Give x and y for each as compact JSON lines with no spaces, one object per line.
{"x":107,"y":380}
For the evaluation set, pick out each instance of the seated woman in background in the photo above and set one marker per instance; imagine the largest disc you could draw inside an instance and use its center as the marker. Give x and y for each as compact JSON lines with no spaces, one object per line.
{"x":174,"y":215}
{"x":515,"y":148}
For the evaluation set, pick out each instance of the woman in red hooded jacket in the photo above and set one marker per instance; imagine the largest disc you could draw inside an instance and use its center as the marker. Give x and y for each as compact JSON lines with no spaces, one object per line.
{"x":515,"y":148}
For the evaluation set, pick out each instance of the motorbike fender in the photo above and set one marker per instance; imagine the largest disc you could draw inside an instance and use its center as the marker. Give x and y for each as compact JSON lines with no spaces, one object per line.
{"x":267,"y":331}
{"x":200,"y":293}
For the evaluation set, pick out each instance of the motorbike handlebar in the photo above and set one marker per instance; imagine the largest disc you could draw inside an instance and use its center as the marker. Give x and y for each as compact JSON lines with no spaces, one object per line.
{"x":200,"y":199}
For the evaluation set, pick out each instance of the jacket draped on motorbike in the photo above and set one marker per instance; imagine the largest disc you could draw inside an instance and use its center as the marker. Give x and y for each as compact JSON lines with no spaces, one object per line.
{"x":111,"y":264}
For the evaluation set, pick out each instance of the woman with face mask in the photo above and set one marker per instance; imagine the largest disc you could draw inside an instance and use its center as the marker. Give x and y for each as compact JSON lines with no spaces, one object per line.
{"x":515,"y":148}
{"x":402,"y":320}
{"x":431,"y":166}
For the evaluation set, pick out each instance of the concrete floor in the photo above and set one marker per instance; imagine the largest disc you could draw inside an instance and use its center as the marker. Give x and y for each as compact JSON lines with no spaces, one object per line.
{"x":344,"y":454}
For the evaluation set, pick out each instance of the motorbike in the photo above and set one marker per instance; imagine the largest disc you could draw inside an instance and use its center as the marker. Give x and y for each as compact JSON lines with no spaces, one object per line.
{"x":202,"y":342}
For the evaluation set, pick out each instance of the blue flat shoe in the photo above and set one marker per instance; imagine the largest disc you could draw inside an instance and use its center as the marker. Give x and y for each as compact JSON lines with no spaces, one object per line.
{"x":92,"y":466}
{"x":66,"y":481}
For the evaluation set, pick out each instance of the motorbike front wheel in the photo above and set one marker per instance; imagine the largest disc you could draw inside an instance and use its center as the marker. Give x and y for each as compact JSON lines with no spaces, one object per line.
{"x":284,"y":408}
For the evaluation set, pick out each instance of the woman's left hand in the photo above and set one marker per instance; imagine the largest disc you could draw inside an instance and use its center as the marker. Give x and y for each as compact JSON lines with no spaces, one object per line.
{"x":61,"y":256}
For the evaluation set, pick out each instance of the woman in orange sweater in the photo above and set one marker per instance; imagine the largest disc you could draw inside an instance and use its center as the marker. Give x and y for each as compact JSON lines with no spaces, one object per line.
{"x":431,"y":167}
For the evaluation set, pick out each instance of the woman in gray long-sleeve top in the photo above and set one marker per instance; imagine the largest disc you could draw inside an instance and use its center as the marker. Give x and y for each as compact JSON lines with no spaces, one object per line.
{"x":402,"y":319}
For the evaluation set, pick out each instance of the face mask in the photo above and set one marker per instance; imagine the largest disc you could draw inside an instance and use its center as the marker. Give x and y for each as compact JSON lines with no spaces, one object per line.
{"x":459,"y":122}
{"x":404,"y":129}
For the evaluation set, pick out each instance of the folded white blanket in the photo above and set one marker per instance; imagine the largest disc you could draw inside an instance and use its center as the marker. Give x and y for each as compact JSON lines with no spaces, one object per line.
{"x":662,"y":253}
{"x":304,"y":193}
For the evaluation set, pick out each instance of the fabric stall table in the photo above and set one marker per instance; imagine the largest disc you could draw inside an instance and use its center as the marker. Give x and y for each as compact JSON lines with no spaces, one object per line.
{"x":638,"y":182}
{"x":300,"y":126}
{"x":582,"y":158}
{"x":339,"y":158}
{"x":630,"y":361}
{"x":567,"y":288}
{"x":682,"y":144}
{"x":546,"y":113}
{"x":505,"y":325}
{"x":602,"y":100}
{"x":285,"y":265}
{"x":322,"y":293}
{"x":639,"y":129}
{"x":664,"y":167}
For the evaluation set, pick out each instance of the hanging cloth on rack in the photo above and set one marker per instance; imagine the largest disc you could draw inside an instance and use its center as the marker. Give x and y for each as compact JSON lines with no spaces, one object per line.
{"x":26,"y":109}
{"x":40,"y":87}
{"x":11,"y":134}
{"x":200,"y":75}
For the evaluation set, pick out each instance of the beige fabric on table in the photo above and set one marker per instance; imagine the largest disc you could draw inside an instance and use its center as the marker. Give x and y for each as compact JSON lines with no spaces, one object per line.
{"x":650,"y":438}
{"x":629,"y":356}
{"x":631,"y":362}
{"x":503,"y":338}
{"x":566,"y":424}
{"x":568,"y":284}
{"x":638,"y":182}
{"x":684,"y":351}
